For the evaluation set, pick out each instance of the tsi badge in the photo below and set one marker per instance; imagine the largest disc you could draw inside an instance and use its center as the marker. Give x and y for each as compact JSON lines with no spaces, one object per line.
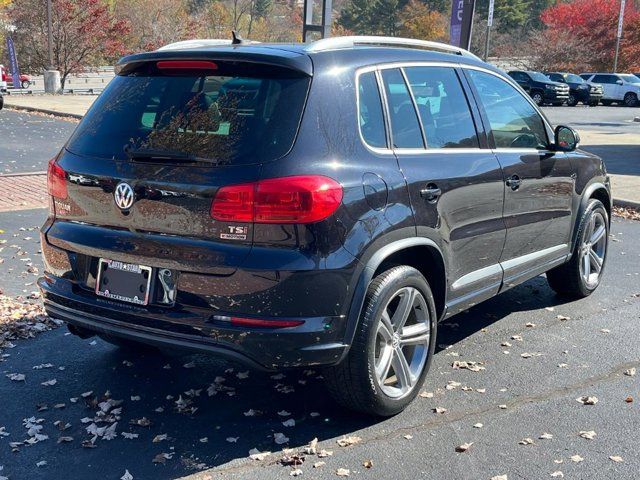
{"x":234,"y":232}
{"x":123,"y":196}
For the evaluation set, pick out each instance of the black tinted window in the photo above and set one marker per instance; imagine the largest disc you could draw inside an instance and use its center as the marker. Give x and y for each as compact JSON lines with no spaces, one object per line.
{"x":514,"y":122}
{"x":604,"y":79}
{"x":370,"y":114}
{"x":405,"y":128}
{"x":443,"y":108}
{"x":226,"y":118}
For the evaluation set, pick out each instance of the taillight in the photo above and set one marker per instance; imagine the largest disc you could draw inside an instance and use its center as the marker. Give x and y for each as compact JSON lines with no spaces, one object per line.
{"x":56,"y":180}
{"x":297,"y":199}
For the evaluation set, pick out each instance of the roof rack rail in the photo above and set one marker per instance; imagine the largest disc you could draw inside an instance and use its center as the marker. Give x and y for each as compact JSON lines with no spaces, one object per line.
{"x":203,"y":43}
{"x":334,"y":43}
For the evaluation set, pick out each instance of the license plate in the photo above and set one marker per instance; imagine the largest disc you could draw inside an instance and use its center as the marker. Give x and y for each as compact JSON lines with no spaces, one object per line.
{"x":126,"y":282}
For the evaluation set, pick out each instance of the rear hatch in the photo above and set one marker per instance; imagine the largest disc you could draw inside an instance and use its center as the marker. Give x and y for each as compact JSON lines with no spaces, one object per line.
{"x":174,"y":130}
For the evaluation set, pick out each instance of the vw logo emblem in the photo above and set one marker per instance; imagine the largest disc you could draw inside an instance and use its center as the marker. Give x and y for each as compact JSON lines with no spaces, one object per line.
{"x":123,"y":196}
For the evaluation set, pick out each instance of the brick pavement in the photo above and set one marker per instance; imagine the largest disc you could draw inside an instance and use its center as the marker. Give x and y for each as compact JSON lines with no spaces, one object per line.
{"x":22,"y":192}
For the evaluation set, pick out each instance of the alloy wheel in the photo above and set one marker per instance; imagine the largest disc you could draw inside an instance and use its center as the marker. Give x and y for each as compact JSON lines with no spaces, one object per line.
{"x":593,"y":250}
{"x":402,"y":342}
{"x":630,"y":99}
{"x":537,"y":98}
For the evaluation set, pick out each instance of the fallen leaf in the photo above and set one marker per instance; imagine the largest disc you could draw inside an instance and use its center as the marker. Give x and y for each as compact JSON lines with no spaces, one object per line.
{"x":289,"y":423}
{"x":319,"y":464}
{"x":232,"y":439}
{"x":557,"y":474}
{"x":472,"y":366}
{"x":546,"y":436}
{"x":41,"y":463}
{"x":499,"y":477}
{"x":408,"y":437}
{"x":284,"y":413}
{"x":630,"y":372}
{"x":65,"y":439}
{"x":312,"y":448}
{"x":616,"y":458}
{"x":629,"y":399}
{"x":530,"y":325}
{"x":280,"y":438}
{"x":159,"y":438}
{"x":295,"y":472}
{"x":189,"y":365}
{"x":367,"y":464}
{"x":526,"y":441}
{"x":325,"y":453}
{"x":342,"y":472}
{"x":587,"y":400}
{"x":589,"y":435}
{"x":576,"y":458}
{"x":562,"y":318}
{"x":478,"y":425}
{"x":126,"y":476}
{"x":348,"y":441}
{"x":502,"y":407}
{"x":440,"y":410}
{"x":464,"y":447}
{"x":426,"y":394}
{"x":255,"y":454}
{"x":16,"y":377}
{"x":162,"y":457}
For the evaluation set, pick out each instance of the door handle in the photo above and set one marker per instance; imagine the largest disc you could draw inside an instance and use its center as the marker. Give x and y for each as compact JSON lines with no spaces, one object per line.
{"x":431,"y":193}
{"x":513,"y":182}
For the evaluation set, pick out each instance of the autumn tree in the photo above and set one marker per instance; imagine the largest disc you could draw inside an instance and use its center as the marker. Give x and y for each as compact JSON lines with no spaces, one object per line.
{"x":418,"y":21}
{"x":580,"y":35}
{"x":84,"y":34}
{"x":157,"y":22}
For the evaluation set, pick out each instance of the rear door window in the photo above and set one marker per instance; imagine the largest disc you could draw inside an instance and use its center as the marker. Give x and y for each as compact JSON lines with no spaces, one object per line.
{"x":405,"y":127}
{"x":239,"y":116}
{"x":443,"y":108}
{"x":370,"y":116}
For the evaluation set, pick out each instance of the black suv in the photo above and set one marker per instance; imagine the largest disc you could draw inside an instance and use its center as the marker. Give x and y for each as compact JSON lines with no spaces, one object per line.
{"x":579,"y":89}
{"x":541,"y":88}
{"x":314,"y":205}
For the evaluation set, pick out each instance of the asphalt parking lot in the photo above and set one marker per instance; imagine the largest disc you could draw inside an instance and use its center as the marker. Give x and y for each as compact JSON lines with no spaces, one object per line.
{"x":199,"y":418}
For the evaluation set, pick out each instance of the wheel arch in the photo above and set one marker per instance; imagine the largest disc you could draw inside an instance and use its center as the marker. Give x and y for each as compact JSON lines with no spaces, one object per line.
{"x":598,"y":191}
{"x":421,"y":253}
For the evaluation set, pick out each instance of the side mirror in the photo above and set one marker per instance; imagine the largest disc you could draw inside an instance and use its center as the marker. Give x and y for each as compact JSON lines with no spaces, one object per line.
{"x":566,"y":139}
{"x":619,"y":82}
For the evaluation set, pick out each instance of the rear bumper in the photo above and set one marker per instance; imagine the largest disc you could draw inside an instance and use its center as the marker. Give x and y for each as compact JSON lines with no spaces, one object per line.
{"x":319,"y":341}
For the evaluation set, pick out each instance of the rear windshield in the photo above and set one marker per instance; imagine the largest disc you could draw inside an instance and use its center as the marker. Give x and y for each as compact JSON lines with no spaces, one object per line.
{"x":231,"y":118}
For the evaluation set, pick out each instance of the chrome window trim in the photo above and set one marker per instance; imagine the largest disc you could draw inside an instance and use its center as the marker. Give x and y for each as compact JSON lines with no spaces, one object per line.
{"x":453,"y":64}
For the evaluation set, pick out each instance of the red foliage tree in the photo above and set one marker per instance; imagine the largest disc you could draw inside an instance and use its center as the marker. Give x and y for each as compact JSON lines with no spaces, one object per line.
{"x":581,"y":35}
{"x":84,"y":34}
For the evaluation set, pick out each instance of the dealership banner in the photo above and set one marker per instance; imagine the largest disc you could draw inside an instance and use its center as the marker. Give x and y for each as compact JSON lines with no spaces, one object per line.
{"x":461,"y":22}
{"x":13,"y":63}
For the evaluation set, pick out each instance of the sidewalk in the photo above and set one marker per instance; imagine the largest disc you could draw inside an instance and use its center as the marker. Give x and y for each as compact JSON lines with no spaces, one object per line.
{"x":63,"y":105}
{"x":626,"y":188}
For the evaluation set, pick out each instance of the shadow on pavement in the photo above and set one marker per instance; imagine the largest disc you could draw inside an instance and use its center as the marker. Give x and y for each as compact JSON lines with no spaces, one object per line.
{"x":197,"y":398}
{"x":619,"y":159}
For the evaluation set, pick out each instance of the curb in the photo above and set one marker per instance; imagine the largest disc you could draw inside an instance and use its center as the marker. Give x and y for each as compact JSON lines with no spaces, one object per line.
{"x":55,"y":113}
{"x":621,"y":202}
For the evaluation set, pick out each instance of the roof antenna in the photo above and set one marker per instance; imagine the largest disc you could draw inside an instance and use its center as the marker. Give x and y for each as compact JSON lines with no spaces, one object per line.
{"x":237,"y":39}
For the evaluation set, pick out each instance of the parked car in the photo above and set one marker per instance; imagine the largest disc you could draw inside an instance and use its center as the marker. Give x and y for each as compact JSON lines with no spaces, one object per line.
{"x":541,"y":89}
{"x":321,"y":204}
{"x":622,"y":88}
{"x":3,"y":79}
{"x":579,"y":89}
{"x":25,"y":80}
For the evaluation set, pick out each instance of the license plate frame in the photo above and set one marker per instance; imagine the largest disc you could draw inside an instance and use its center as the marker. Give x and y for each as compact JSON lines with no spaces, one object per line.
{"x":133,"y":275}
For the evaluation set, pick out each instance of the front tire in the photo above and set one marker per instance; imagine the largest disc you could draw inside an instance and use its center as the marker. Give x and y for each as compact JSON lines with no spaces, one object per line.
{"x":26,"y":84}
{"x":580,"y":277}
{"x":392,"y":349}
{"x":572,"y":101}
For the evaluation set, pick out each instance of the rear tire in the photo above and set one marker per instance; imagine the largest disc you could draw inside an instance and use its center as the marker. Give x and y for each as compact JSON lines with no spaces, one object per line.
{"x":580,"y":277}
{"x":630,"y":99}
{"x":537,"y":98}
{"x":393,"y":346}
{"x":572,"y":101}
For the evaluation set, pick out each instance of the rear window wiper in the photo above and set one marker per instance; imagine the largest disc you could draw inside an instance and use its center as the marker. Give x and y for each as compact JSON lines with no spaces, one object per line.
{"x":152,"y":155}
